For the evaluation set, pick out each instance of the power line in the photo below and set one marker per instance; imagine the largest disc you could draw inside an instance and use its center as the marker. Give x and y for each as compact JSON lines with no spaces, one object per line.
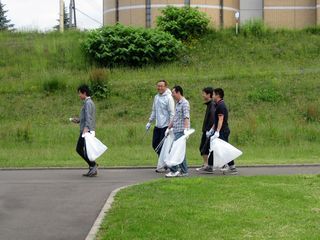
{"x":95,"y":20}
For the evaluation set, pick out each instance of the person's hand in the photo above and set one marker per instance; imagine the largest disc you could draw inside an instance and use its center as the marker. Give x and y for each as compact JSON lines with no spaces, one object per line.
{"x":216,"y":135}
{"x":85,"y":130}
{"x":209,"y":133}
{"x":148,"y":126}
{"x":185,"y":131}
{"x":167,"y":132}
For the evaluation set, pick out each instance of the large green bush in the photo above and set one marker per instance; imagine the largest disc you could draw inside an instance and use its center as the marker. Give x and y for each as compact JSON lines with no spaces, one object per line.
{"x":129,"y":46}
{"x":183,"y":23}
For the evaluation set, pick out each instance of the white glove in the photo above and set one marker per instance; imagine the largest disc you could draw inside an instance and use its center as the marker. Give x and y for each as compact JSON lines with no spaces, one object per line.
{"x":185,"y":132}
{"x":148,"y":126}
{"x":216,"y":135}
{"x":209,"y":133}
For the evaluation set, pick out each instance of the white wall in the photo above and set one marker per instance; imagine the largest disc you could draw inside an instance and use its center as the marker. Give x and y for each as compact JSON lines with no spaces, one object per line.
{"x":250,"y":9}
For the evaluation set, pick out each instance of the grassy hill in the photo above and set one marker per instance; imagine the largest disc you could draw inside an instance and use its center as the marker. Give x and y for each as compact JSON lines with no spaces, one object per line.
{"x":271,"y":85}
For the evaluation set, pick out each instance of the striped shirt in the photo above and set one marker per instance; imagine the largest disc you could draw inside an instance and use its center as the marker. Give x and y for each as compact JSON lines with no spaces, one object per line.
{"x":182,"y":113}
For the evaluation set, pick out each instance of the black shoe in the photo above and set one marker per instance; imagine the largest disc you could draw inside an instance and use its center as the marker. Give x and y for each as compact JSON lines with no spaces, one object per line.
{"x":87,"y":174}
{"x":93,"y":172}
{"x":207,"y":169}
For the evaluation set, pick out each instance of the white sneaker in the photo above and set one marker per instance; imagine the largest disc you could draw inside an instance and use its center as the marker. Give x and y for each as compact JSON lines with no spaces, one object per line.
{"x":172,"y":174}
{"x":225,"y":168}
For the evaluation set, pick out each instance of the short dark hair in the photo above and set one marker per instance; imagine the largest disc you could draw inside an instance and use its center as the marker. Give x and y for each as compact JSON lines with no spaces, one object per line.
{"x":164,"y":81}
{"x":219,"y":91}
{"x":84,"y":89}
{"x":208,"y":90}
{"x":177,"y":89}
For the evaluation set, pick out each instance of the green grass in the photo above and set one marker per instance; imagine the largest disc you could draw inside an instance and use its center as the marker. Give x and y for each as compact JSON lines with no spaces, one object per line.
{"x":217,"y":208}
{"x":271,"y":86}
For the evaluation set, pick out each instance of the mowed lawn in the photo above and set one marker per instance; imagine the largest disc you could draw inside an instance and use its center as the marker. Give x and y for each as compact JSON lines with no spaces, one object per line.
{"x":268,"y":207}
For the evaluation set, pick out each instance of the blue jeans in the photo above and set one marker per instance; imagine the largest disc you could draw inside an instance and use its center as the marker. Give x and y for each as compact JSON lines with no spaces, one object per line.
{"x":183,"y":166}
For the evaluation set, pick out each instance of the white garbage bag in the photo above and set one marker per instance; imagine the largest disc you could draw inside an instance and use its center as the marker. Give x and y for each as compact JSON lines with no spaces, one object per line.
{"x":165,"y":150}
{"x":223,"y":152}
{"x":94,"y":147}
{"x":178,"y":150}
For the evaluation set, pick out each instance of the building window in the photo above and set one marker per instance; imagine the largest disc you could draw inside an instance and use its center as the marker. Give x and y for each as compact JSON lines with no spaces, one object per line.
{"x":187,"y":3}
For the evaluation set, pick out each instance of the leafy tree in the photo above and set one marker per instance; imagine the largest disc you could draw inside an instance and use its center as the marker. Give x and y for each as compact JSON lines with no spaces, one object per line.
{"x":4,"y":22}
{"x":183,"y":23}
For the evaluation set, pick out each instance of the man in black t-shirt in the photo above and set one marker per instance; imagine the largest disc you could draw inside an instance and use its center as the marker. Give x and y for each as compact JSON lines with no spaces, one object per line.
{"x":207,"y":124}
{"x":221,"y":129}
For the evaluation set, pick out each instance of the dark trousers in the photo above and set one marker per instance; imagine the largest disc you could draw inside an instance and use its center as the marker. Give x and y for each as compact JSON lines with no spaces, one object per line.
{"x":158,"y":135}
{"x":225,"y":137}
{"x":81,"y":150}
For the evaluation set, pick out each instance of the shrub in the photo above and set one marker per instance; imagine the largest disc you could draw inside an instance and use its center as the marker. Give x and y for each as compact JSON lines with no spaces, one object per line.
{"x":183,"y":23}
{"x":99,"y":84}
{"x":255,"y":28}
{"x":124,"y":45}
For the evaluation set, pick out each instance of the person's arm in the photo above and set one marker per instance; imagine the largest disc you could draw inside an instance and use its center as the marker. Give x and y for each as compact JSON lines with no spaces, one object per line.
{"x":220,"y":122}
{"x":186,"y":116}
{"x":153,"y":112}
{"x":171,"y":108}
{"x":186,"y":123}
{"x":88,"y":111}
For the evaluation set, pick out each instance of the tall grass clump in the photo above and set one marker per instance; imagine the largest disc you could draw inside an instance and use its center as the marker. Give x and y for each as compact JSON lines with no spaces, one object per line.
{"x":183,"y":23}
{"x":315,"y":30}
{"x":54,"y":83}
{"x":121,"y":45}
{"x":255,"y":28}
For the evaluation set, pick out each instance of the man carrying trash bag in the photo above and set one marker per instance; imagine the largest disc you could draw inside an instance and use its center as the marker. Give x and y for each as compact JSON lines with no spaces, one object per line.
{"x":162,"y":112}
{"x":207,"y":94}
{"x":180,"y":126}
{"x":220,"y":130}
{"x":87,"y":122}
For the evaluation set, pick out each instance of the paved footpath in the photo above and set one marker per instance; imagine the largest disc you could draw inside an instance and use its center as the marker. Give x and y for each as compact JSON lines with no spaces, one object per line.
{"x":61,"y":204}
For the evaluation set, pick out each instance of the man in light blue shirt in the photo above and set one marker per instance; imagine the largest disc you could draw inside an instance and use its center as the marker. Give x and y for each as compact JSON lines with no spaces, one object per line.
{"x":162,"y":113}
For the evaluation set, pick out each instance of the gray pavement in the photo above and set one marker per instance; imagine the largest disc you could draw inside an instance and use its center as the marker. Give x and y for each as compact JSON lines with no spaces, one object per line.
{"x":61,"y":204}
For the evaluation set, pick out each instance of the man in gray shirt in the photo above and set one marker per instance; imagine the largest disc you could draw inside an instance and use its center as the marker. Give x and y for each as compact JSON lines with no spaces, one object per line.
{"x":87,"y":123}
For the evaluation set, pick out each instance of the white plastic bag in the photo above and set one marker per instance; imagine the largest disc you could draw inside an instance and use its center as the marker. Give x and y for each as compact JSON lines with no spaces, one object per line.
{"x":223,"y":152}
{"x":94,"y":147}
{"x":178,"y":150}
{"x":165,"y":150}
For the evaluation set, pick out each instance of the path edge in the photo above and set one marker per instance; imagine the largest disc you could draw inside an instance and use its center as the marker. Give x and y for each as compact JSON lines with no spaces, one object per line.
{"x":104,"y":211}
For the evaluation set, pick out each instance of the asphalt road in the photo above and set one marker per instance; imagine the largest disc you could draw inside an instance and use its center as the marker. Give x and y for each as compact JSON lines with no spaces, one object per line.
{"x":61,"y":204}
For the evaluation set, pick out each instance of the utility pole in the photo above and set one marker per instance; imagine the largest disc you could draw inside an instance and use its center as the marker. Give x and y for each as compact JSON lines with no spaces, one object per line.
{"x":72,"y":14}
{"x":61,"y":28}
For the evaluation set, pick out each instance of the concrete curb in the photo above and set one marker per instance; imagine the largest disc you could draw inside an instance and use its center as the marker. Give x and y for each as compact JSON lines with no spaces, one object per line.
{"x":153,"y":167}
{"x":107,"y":206}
